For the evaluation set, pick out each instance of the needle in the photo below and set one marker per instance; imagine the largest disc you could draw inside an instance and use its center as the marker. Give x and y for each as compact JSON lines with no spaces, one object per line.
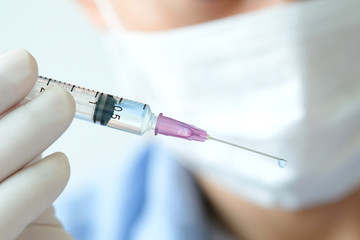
{"x":281,"y":161}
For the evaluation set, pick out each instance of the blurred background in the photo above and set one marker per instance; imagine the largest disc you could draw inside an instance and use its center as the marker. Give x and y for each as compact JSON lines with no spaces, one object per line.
{"x":69,"y":49}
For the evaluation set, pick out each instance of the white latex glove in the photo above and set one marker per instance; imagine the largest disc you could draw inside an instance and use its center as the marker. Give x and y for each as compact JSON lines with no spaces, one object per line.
{"x":27,"y":191}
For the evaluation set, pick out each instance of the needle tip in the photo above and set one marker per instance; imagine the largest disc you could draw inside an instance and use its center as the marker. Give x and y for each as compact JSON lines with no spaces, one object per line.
{"x":281,"y":162}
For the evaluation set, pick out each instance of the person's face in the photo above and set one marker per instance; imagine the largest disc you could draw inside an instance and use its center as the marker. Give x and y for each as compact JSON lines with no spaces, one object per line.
{"x":156,"y":15}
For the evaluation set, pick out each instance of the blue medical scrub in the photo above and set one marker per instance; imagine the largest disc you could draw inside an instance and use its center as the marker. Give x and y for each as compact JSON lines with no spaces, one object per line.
{"x":153,"y":197}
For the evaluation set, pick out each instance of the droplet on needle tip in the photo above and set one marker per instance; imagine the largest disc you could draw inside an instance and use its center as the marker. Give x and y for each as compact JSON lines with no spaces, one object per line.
{"x":281,"y":162}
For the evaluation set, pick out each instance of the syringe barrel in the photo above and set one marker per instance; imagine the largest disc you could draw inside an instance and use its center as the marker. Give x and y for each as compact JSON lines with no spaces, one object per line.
{"x":102,"y":108}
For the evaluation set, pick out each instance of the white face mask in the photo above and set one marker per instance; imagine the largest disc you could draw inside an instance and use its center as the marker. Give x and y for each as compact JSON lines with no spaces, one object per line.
{"x":285,"y":81}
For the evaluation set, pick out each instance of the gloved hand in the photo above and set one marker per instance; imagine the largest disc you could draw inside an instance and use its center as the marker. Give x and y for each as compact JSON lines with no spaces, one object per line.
{"x":28,"y":190}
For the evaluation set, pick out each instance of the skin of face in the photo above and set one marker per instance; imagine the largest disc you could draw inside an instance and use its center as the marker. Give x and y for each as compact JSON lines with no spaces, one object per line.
{"x":339,"y":220}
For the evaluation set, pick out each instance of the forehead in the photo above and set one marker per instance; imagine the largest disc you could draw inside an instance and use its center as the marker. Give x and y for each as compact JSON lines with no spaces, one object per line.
{"x":159,"y":15}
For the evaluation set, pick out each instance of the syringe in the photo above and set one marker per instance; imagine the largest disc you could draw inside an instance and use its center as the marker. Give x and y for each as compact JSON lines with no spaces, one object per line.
{"x":127,"y":115}
{"x":120,"y":113}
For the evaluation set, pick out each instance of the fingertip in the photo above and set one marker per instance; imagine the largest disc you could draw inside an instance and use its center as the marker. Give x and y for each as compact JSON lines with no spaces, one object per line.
{"x":67,"y":99}
{"x":64,"y":102}
{"x":30,"y":63}
{"x":58,"y":168}
{"x":26,"y":67}
{"x":18,"y":74}
{"x":71,"y":103}
{"x":62,"y":166}
{"x":31,"y":72}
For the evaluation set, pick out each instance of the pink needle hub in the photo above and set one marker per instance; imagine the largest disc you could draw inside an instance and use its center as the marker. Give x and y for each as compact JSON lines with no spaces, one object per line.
{"x":171,"y":127}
